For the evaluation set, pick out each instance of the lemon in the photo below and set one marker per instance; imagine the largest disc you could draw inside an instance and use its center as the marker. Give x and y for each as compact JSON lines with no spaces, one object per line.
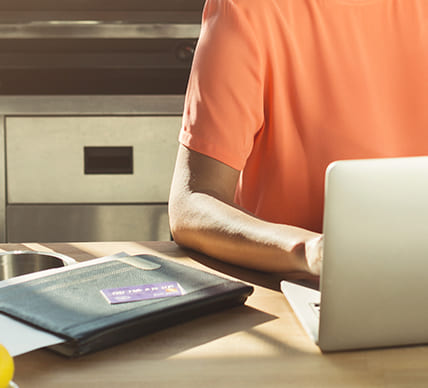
{"x":6,"y":367}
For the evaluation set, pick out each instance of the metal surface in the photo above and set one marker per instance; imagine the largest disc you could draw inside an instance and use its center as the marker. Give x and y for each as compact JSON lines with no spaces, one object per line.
{"x":45,"y":156}
{"x":97,"y":29}
{"x":58,"y":223}
{"x":15,"y":263}
{"x":74,"y":222}
{"x":91,"y":105}
{"x":62,"y":61}
{"x":97,"y":51}
{"x":373,"y":283}
{"x":2,"y":182}
{"x":104,"y":5}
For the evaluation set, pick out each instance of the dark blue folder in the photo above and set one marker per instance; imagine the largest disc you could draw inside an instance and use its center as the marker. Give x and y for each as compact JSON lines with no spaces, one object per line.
{"x":70,"y":304}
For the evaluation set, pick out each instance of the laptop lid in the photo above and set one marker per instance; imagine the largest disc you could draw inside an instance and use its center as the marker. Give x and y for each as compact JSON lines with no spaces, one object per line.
{"x":375,"y":268}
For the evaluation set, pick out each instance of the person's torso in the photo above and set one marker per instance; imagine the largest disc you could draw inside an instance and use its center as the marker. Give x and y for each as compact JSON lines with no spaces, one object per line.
{"x":343,"y":79}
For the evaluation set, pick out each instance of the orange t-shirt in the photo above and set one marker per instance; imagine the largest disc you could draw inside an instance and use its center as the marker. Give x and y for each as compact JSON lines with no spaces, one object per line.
{"x":281,"y":88}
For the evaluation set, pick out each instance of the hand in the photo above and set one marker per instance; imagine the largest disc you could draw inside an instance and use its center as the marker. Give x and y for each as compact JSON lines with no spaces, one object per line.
{"x":314,"y":254}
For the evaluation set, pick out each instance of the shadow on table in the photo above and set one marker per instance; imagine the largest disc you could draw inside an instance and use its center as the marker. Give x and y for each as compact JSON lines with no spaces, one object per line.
{"x":162,"y":344}
{"x":263,"y":279}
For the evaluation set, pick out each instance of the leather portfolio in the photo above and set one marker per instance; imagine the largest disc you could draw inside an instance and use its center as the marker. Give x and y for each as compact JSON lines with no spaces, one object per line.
{"x":101,"y":304}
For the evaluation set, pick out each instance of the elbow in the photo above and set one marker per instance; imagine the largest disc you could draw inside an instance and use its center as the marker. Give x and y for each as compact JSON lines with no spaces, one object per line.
{"x":179,"y":237}
{"x":182,"y":235}
{"x":176,"y":231}
{"x":177,"y":223}
{"x":189,"y":221}
{"x":185,"y":226}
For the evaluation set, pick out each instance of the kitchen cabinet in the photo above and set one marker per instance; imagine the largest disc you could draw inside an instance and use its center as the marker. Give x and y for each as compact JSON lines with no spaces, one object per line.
{"x":85,"y":168}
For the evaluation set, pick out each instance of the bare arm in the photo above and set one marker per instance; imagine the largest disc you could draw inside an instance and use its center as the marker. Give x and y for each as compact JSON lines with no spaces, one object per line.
{"x":203,"y":217}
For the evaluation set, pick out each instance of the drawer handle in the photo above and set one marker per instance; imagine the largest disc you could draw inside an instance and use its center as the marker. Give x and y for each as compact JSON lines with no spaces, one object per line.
{"x":108,"y":160}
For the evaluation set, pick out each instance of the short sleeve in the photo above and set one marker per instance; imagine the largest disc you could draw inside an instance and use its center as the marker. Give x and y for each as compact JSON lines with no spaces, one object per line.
{"x":224,"y":100}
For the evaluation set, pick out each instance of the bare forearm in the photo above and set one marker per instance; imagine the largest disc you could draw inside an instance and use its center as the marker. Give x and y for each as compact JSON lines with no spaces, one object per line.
{"x":202,"y":222}
{"x":203,"y":217}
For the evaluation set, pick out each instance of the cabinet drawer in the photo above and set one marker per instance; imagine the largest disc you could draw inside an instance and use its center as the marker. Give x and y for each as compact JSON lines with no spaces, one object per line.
{"x":60,"y":223}
{"x":46,"y":159}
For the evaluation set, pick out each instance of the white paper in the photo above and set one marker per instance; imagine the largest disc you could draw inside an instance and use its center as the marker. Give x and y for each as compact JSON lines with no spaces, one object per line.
{"x":19,"y":338}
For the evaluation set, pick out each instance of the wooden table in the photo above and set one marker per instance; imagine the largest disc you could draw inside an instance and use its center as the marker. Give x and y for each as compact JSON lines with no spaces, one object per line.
{"x":258,"y":345}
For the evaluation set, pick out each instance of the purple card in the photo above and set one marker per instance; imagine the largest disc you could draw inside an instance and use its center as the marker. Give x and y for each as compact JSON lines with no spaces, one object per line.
{"x":142,"y":292}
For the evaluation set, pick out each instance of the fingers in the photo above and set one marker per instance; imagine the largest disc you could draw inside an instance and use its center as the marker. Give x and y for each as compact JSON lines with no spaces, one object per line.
{"x":314,"y":254}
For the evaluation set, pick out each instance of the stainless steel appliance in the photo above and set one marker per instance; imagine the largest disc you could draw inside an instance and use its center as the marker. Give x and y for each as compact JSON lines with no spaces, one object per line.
{"x":97,"y":47}
{"x":91,"y":96}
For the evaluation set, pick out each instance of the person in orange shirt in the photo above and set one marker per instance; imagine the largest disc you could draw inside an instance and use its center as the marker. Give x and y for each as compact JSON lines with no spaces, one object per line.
{"x":278,"y":90}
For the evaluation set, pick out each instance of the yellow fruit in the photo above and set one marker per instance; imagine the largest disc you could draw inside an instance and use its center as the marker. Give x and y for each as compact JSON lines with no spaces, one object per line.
{"x":6,"y":367}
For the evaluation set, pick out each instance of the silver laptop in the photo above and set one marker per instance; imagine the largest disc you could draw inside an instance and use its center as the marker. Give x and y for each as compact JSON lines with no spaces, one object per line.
{"x":374,"y":280}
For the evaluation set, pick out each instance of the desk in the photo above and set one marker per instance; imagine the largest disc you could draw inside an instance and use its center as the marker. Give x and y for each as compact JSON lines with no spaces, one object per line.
{"x":258,"y":345}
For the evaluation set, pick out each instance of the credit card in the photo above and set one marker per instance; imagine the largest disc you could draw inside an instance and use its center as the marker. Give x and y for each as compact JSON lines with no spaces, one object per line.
{"x":142,"y":292}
